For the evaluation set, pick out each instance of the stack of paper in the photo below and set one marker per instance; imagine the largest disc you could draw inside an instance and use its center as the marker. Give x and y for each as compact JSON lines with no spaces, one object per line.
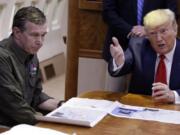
{"x":80,"y":111}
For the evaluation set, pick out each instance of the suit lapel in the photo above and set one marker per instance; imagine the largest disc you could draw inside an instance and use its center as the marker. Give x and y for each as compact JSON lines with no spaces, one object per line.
{"x":149,"y":60}
{"x":175,"y":69}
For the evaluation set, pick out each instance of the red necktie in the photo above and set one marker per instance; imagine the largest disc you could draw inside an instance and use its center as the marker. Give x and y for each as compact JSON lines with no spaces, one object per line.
{"x":161,"y":71}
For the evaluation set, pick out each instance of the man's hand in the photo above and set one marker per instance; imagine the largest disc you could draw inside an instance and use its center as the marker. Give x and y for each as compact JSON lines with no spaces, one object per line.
{"x":117,"y":52}
{"x":137,"y":31}
{"x":162,"y":93}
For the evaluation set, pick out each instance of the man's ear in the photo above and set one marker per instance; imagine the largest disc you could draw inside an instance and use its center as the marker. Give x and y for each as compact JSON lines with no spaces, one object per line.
{"x":16,"y":32}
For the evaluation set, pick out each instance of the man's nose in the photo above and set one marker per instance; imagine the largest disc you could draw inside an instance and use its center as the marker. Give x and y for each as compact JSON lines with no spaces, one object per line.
{"x":159,"y":36}
{"x":40,"y":39}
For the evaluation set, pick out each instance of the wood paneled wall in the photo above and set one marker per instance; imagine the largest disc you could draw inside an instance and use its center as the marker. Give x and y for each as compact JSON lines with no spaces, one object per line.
{"x":91,"y":28}
{"x":91,"y":34}
{"x":86,"y":32}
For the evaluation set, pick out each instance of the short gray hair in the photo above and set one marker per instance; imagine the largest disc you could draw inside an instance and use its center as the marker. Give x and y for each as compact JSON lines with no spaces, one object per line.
{"x":31,"y":14}
{"x":158,"y":17}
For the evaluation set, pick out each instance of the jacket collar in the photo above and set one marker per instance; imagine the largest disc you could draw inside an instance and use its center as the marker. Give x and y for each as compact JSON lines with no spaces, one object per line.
{"x":22,"y":55}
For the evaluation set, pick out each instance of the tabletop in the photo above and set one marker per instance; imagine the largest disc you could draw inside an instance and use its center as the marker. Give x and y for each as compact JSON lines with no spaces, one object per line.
{"x":121,"y":126}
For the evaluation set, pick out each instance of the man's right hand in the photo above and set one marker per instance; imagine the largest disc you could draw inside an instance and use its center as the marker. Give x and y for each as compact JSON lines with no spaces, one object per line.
{"x":137,"y":31}
{"x":117,"y":52}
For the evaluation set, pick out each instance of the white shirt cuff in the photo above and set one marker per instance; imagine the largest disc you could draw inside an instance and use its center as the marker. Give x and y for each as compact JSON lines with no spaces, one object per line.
{"x":177,"y":98}
{"x":116,"y":67}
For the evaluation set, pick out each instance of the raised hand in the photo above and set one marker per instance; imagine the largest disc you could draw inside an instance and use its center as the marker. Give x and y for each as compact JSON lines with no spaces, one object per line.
{"x":117,"y":52}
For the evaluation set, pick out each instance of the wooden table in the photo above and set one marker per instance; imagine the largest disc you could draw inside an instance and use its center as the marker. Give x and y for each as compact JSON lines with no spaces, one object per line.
{"x":3,"y":128}
{"x":121,"y":126}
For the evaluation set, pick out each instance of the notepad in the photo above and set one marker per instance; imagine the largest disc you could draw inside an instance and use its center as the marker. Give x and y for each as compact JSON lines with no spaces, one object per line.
{"x":24,"y":129}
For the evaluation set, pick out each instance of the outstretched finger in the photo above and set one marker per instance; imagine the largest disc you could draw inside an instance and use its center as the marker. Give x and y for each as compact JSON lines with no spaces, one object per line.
{"x":115,"y":41}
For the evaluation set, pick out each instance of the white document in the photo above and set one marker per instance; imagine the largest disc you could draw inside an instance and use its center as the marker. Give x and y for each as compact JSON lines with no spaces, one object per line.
{"x":24,"y":129}
{"x":144,"y":113}
{"x":80,"y":111}
{"x":97,"y":104}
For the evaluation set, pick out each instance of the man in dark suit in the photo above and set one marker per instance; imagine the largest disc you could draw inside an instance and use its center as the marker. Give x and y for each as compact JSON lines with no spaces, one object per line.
{"x":143,"y":57}
{"x":121,"y":18}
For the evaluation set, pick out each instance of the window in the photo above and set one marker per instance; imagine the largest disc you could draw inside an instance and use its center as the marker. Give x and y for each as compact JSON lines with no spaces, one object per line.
{"x":57,"y":14}
{"x":18,"y":5}
{"x":34,"y":3}
{"x":46,"y":8}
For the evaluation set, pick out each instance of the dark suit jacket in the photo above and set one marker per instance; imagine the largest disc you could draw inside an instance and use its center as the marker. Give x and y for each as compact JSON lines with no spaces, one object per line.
{"x":140,"y":60}
{"x":121,"y":16}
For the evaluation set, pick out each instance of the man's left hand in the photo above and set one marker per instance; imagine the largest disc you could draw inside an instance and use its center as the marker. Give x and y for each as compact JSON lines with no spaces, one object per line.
{"x":162,"y":93}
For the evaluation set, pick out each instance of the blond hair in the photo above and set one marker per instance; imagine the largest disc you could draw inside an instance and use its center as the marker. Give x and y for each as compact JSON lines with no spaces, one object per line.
{"x":158,"y":17}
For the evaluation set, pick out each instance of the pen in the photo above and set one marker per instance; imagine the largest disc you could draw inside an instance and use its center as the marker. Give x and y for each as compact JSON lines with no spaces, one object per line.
{"x":58,"y":114}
